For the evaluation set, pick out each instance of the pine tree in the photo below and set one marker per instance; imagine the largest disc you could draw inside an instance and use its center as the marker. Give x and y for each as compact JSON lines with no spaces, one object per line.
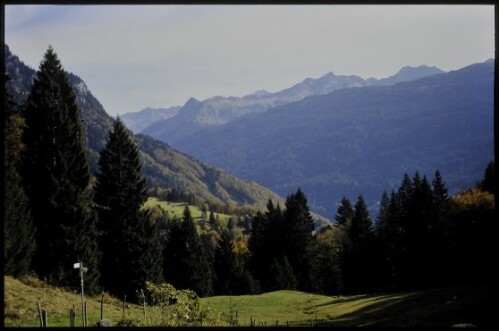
{"x":358,"y":261}
{"x":132,"y":254}
{"x":186,"y":263}
{"x":283,"y":274}
{"x":228,"y":267}
{"x":297,"y":238}
{"x":57,"y":179}
{"x":19,"y":239}
{"x":488,"y":183}
{"x":344,"y":214}
{"x":440,"y":191}
{"x":326,"y":266}
{"x":361,"y":227}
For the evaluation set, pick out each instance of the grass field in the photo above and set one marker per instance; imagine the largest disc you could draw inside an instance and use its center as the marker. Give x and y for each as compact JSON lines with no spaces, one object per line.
{"x":438,"y":308}
{"x":177,"y":209}
{"x":447,"y":307}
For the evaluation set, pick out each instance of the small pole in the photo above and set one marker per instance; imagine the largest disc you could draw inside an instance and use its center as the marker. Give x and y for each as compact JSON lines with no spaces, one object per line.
{"x":82,"y":295}
{"x":45,"y":318}
{"x":124,"y":300}
{"x":86,"y":320}
{"x":102,"y":306}
{"x":143,"y":303}
{"x":71,"y":317}
{"x":40,"y":314}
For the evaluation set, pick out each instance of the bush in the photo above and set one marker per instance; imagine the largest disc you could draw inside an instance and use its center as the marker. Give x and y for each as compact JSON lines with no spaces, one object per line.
{"x":182,"y":307}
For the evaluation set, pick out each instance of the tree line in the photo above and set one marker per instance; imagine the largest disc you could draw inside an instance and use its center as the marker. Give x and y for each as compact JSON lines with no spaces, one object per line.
{"x":56,"y":214}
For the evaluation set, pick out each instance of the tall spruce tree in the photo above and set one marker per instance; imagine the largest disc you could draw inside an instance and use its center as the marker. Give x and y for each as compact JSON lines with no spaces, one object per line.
{"x":19,"y":233}
{"x":489,"y":180}
{"x":298,"y":239}
{"x":344,"y":214}
{"x":130,"y":242}
{"x":358,"y":261}
{"x":186,"y":263}
{"x":266,"y":243}
{"x":229,"y":268}
{"x":57,"y":179}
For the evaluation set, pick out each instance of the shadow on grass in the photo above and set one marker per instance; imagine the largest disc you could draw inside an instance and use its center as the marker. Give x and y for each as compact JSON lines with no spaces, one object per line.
{"x":437,"y":308}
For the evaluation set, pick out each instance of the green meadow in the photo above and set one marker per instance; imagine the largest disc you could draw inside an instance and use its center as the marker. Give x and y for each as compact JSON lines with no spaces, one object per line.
{"x":460,"y":306}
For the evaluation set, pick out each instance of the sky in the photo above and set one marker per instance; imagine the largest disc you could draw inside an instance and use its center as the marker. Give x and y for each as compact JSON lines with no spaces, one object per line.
{"x":137,"y":56}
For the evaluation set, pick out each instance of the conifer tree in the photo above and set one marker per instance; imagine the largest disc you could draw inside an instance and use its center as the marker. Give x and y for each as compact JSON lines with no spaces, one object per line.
{"x":488,"y":183}
{"x":361,"y":227}
{"x":298,"y":241}
{"x":283,"y":274}
{"x":130,"y":245}
{"x":56,"y":176}
{"x":228,"y":267}
{"x":186,"y":263}
{"x":358,"y":261}
{"x":440,"y":191}
{"x":19,"y":233}
{"x":257,"y":246}
{"x":344,"y":214}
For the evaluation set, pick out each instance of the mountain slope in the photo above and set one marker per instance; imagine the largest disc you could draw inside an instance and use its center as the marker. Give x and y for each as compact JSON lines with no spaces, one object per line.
{"x":196,"y":116}
{"x":138,"y":121}
{"x":163,"y":165}
{"x":406,"y":74}
{"x":362,"y":140}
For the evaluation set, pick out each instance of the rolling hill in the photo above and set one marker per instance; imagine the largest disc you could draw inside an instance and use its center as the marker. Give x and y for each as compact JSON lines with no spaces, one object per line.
{"x":362,"y":140}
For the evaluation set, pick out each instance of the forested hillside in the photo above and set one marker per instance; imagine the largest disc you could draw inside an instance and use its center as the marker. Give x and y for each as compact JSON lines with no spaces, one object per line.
{"x":164,"y":166}
{"x":361,"y":140}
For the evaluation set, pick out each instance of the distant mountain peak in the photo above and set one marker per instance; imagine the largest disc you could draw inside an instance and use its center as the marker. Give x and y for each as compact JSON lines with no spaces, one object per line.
{"x":407,"y":73}
{"x":259,"y":93}
{"x":192,"y":101}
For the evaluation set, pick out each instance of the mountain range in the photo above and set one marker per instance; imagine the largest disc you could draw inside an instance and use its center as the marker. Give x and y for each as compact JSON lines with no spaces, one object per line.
{"x":197,"y":115}
{"x":162,"y":165}
{"x":354,"y":140}
{"x":138,"y":121}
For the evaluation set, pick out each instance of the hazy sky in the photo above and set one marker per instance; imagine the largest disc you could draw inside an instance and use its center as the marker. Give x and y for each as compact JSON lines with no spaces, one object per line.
{"x":136,"y":56}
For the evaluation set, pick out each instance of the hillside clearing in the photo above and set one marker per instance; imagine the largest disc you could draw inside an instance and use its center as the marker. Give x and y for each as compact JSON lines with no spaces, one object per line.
{"x":176,"y":209}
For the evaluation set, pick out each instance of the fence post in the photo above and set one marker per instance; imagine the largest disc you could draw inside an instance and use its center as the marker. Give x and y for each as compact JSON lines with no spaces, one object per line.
{"x":124,"y":300}
{"x":102,"y":307}
{"x":86,"y":320}
{"x":72,"y":315}
{"x":143,"y":304}
{"x":44,"y":318}
{"x":40,"y":313}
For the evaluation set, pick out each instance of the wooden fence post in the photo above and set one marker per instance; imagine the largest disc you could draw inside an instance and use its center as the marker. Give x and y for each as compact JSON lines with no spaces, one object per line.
{"x":143,"y":304}
{"x":72,"y":315}
{"x":40,"y":314}
{"x":102,"y":307}
{"x":85,"y":308}
{"x":44,"y":318}
{"x":124,"y":300}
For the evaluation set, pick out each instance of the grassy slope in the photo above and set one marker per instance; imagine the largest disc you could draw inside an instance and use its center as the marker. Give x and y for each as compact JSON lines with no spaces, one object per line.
{"x":443,"y":307}
{"x":177,"y":209}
